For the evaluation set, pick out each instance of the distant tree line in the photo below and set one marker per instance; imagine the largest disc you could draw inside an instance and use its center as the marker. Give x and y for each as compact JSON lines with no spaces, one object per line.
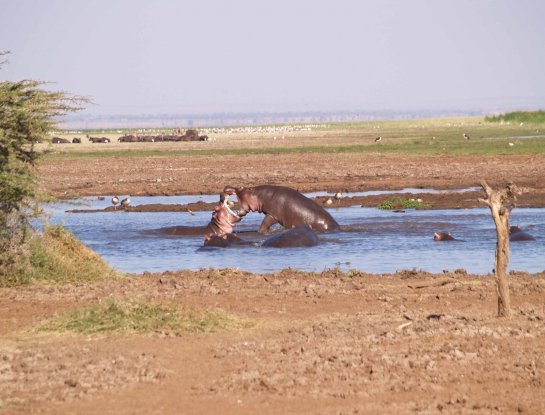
{"x":519,"y":116}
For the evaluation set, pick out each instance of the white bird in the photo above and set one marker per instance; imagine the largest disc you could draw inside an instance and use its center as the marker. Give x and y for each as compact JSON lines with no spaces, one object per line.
{"x":125,"y":202}
{"x":338,"y":195}
{"x":329,"y":201}
{"x":511,"y":144}
{"x":466,"y":136}
{"x":115,"y":202}
{"x":378,"y":139}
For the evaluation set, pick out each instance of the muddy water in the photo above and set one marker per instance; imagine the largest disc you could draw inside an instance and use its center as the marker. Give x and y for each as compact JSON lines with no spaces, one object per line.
{"x":371,"y":240}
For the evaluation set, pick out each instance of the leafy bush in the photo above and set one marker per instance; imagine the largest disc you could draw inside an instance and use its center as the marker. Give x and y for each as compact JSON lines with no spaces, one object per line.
{"x":27,"y":114}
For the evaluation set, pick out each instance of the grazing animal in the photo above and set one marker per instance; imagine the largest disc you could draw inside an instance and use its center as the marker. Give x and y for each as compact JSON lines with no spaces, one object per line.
{"x":115,"y":202}
{"x":466,"y":136}
{"x":58,"y":140}
{"x":443,"y":236}
{"x":76,"y":140}
{"x":378,"y":139}
{"x":99,"y":139}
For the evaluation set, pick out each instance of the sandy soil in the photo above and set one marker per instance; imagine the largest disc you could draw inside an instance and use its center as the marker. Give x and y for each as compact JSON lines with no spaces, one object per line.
{"x":322,"y":344}
{"x":328,"y":343}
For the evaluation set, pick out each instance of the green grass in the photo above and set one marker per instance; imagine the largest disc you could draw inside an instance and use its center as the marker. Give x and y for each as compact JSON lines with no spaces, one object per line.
{"x":443,"y":136}
{"x":519,"y":116}
{"x":422,"y":146}
{"x":137,"y":316}
{"x":56,"y":256}
{"x":397,"y":202}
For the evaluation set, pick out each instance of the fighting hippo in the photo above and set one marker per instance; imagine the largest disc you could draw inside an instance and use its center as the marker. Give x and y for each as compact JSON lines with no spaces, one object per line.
{"x":443,"y":236}
{"x":300,"y":236}
{"x":282,"y":205}
{"x":219,"y":231}
{"x":516,"y":234}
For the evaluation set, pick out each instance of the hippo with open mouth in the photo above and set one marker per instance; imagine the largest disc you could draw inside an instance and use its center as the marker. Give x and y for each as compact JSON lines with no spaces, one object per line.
{"x":282,"y":205}
{"x":219,"y":231}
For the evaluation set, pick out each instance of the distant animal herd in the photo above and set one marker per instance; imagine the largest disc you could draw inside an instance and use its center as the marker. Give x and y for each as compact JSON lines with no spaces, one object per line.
{"x":189,"y":135}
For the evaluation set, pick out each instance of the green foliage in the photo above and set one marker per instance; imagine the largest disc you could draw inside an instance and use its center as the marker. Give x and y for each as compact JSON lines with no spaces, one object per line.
{"x":519,"y":116}
{"x":398,"y":202}
{"x":56,"y":256}
{"x":27,"y":114}
{"x":138,"y":316}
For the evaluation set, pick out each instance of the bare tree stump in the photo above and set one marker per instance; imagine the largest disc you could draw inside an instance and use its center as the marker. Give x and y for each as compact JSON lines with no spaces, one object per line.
{"x":501,"y":203}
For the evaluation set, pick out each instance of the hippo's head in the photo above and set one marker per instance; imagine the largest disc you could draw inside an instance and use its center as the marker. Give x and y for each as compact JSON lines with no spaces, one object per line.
{"x":514,"y":229}
{"x":247,"y":200}
{"x":222,"y":220}
{"x":442,"y":236}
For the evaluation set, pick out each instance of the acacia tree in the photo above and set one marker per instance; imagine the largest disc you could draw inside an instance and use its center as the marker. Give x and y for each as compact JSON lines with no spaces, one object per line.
{"x":27,"y":113}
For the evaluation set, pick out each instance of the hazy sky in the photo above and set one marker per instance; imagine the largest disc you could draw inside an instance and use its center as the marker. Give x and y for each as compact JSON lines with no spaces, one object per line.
{"x":159,"y":56}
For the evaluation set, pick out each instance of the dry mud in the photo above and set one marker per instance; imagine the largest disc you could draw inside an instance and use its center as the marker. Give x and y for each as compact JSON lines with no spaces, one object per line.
{"x":325,"y":343}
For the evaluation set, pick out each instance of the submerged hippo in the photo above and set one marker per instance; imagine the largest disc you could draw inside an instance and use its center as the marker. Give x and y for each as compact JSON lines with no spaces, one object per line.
{"x":300,"y":236}
{"x":282,"y":205}
{"x":443,"y":236}
{"x":516,"y":234}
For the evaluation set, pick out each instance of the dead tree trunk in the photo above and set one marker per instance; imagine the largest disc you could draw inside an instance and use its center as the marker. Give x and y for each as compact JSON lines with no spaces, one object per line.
{"x":501,"y":203}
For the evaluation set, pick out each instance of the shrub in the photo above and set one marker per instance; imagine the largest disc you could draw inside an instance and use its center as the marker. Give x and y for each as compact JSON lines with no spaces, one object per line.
{"x":397,"y":202}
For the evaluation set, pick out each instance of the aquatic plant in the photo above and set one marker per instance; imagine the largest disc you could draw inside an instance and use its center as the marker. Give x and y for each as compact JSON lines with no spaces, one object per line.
{"x":398,"y":202}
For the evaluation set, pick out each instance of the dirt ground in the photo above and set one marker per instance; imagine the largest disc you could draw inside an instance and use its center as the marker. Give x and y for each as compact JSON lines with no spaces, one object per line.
{"x":330,"y":343}
{"x":179,"y":174}
{"x":327,"y":343}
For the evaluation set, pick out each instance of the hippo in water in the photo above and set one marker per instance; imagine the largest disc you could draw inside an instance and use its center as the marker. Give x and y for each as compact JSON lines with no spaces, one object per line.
{"x":516,"y":234}
{"x":300,"y":236}
{"x":443,"y":236}
{"x":219,"y":232}
{"x":282,"y":205}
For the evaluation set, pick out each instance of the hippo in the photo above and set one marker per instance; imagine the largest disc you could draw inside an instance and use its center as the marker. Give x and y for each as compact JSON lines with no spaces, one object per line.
{"x":219,"y":232}
{"x":443,"y":236}
{"x":99,"y":139}
{"x":282,"y":205}
{"x":516,"y":234}
{"x":58,"y":140}
{"x":300,"y":236}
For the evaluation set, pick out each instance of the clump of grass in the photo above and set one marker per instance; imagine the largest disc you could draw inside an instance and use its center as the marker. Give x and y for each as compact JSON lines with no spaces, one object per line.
{"x":397,"y":202}
{"x":138,"y":316}
{"x":57,"y":256}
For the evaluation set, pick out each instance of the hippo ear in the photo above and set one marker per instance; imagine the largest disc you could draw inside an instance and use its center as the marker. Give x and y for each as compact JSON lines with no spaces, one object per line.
{"x":229,"y":190}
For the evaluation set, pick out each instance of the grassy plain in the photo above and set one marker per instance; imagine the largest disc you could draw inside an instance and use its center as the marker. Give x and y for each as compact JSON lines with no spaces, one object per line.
{"x":411,"y":137}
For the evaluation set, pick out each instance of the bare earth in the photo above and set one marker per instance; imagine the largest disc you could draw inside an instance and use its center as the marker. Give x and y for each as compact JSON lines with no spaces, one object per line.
{"x":319,"y":344}
{"x":328,"y":343}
